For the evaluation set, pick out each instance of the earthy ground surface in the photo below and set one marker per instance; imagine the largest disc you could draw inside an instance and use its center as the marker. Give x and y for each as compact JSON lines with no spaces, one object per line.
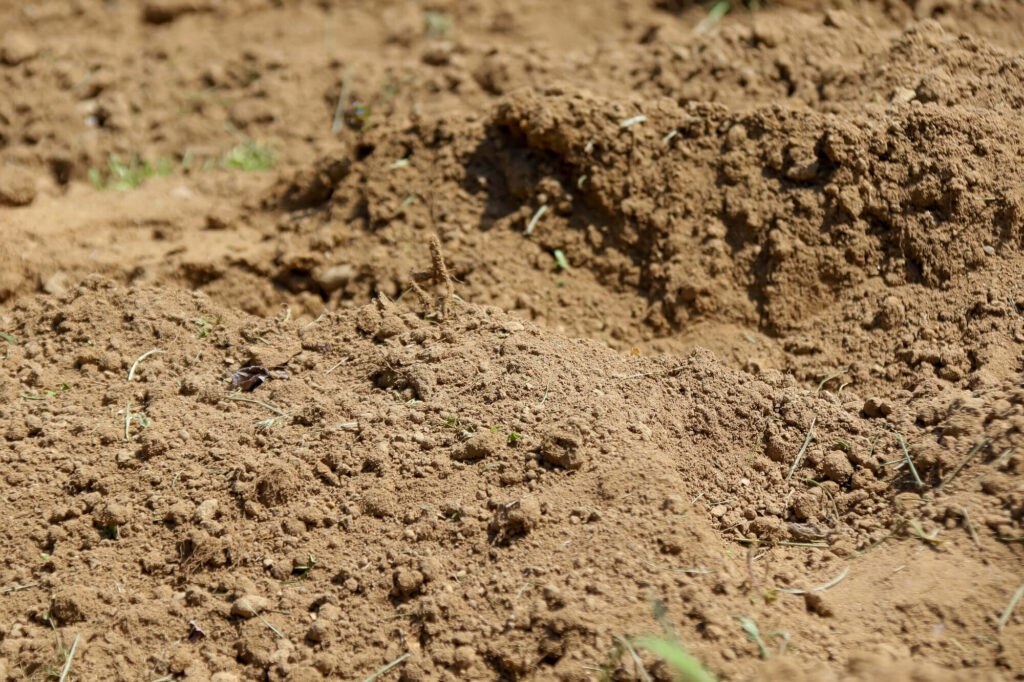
{"x":736,"y":339}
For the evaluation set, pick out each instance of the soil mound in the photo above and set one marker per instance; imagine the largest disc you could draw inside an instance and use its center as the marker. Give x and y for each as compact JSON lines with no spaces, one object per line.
{"x":481,"y":494}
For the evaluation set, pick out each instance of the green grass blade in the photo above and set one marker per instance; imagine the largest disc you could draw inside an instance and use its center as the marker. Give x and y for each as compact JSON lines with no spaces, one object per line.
{"x":688,"y":668}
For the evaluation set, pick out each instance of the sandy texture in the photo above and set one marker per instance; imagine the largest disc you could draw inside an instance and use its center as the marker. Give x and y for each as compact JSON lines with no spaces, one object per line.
{"x":719,"y":323}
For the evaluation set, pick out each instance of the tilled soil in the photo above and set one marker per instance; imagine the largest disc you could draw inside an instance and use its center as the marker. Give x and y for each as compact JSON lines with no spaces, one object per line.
{"x":722,"y":330}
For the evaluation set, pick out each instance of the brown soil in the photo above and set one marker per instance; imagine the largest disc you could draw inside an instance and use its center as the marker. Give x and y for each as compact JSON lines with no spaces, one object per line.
{"x":779,"y":378}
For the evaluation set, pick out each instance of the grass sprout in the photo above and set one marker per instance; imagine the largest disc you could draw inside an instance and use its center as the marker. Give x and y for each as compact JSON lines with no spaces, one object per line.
{"x":135,"y":365}
{"x":715,"y":14}
{"x":754,"y":635}
{"x":249,"y":156}
{"x":122,"y":176}
{"x":536,"y":217}
{"x":437,"y":24}
{"x":686,"y":667}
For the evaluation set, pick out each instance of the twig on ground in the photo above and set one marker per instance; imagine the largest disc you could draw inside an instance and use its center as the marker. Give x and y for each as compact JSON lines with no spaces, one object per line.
{"x":800,"y":455}
{"x":964,"y":462}
{"x":1008,"y":611}
{"x":832,"y":583}
{"x":388,"y":667}
{"x":913,"y":469}
{"x":257,"y":402}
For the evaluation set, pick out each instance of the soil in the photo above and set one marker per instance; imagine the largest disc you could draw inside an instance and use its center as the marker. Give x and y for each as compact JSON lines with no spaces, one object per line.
{"x":722,"y":326}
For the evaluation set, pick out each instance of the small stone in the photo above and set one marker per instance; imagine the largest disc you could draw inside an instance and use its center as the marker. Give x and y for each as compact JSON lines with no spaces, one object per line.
{"x":17,"y":48}
{"x":877,"y":407}
{"x":249,"y":606}
{"x":902,"y":96}
{"x":335,"y":277}
{"x":321,"y":630}
{"x":465,"y":657}
{"x":835,"y":466}
{"x":57,"y":284}
{"x":989,"y":251}
{"x":206,"y":511}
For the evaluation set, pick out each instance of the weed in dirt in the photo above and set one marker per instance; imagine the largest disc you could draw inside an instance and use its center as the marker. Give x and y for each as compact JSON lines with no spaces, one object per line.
{"x":303,"y":571}
{"x":754,"y":635}
{"x":829,"y":377}
{"x":686,"y":667}
{"x":931,"y":539}
{"x":135,"y":365}
{"x":59,"y":666}
{"x":8,"y":338}
{"x":715,"y":15}
{"x":130,"y":418}
{"x":268,"y":424}
{"x":514,"y":438}
{"x":121,"y":176}
{"x":437,"y":25}
{"x":561,"y":263}
{"x":249,"y":156}
{"x":206,"y":327}
{"x":110,"y":533}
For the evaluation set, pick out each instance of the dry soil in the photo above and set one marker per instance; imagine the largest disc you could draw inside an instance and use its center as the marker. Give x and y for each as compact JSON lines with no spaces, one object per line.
{"x":722,"y":330}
